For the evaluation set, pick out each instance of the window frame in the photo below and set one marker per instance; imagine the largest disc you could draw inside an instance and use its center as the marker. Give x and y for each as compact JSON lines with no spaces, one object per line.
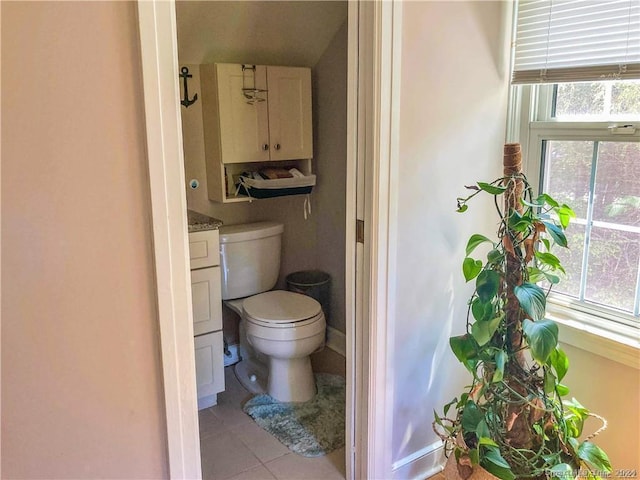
{"x":530,"y":123}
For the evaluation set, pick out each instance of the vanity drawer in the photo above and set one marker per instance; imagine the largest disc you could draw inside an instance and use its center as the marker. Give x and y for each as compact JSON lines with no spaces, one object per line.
{"x":206,"y":300}
{"x":204,"y":249}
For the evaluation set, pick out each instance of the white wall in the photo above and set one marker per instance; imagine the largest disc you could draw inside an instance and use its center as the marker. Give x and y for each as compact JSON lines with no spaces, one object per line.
{"x":453,"y":105}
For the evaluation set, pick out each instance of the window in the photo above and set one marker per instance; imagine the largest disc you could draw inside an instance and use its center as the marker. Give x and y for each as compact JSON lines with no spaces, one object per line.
{"x":575,"y":108}
{"x":584,"y":150}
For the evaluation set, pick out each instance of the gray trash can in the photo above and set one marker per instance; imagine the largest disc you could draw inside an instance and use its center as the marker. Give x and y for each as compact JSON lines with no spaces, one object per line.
{"x":315,"y":284}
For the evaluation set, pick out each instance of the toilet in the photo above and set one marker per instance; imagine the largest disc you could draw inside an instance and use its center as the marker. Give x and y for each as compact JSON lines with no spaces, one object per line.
{"x":279,"y":330}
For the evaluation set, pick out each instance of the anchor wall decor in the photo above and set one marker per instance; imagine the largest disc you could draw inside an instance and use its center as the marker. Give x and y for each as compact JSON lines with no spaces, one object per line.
{"x":184,"y":74}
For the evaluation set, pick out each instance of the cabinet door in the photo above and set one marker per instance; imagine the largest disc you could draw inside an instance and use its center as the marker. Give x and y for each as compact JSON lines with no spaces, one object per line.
{"x":244,"y":129}
{"x":290,"y":129}
{"x":206,"y":300}
{"x":209,"y":368}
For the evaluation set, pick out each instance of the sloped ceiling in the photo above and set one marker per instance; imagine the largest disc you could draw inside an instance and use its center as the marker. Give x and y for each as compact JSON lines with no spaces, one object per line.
{"x":266,"y":32}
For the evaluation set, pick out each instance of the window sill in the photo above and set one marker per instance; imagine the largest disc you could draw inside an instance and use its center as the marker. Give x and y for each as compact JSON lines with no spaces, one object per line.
{"x":620,"y":343}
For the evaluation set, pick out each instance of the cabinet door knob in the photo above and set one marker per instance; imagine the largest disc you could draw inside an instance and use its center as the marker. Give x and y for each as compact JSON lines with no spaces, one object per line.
{"x":265,"y":146}
{"x":277,"y":146}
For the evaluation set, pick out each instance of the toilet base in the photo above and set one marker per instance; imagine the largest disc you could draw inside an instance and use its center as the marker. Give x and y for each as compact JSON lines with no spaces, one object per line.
{"x":251,"y":376}
{"x":291,"y":379}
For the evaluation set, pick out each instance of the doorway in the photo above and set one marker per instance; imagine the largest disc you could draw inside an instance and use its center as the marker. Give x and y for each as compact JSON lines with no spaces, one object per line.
{"x":167,"y":184}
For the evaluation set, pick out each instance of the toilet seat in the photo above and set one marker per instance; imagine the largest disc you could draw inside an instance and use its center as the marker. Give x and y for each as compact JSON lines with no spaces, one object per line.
{"x":281,"y":309}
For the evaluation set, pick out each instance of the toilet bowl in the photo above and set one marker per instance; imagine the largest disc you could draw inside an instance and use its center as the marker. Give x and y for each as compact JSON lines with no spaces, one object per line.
{"x":278,"y":328}
{"x":287,"y":328}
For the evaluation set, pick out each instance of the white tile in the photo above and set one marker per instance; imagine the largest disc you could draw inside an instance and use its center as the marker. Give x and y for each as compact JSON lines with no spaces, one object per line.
{"x":224,"y":456}
{"x":259,"y":473}
{"x":263,"y":445}
{"x":297,"y":467}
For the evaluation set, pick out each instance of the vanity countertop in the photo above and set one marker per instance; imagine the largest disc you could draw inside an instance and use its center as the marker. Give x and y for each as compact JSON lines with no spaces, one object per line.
{"x":199,"y":222}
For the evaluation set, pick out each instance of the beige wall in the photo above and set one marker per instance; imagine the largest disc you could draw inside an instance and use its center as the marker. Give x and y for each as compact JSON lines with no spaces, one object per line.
{"x":301,"y":249}
{"x":330,"y":164}
{"x":610,"y":389}
{"x":81,"y":373}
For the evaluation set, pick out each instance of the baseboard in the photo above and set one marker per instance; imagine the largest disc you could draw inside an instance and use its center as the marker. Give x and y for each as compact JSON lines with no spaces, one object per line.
{"x":337,"y":341}
{"x":422,"y":464}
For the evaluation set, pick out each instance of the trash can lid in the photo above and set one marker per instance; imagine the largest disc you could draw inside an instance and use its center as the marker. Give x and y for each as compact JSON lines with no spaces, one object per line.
{"x":308,"y":278}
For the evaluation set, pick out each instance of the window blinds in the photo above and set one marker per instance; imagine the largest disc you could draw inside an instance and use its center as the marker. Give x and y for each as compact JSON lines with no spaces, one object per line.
{"x":576,"y":40}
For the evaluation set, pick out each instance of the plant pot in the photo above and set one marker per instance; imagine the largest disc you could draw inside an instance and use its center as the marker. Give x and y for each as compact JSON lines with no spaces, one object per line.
{"x":453,"y":471}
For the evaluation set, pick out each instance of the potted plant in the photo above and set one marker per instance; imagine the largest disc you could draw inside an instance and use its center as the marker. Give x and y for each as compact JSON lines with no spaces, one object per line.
{"x":514,"y":421}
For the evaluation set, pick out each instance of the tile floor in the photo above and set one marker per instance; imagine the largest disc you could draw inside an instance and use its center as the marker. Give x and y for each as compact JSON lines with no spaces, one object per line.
{"x":234,"y":447}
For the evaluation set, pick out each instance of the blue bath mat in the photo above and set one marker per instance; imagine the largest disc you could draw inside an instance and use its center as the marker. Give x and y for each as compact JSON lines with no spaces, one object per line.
{"x":312,"y":428}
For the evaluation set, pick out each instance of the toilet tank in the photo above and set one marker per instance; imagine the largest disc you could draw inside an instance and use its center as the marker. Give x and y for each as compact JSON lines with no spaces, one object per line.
{"x":249,"y":258}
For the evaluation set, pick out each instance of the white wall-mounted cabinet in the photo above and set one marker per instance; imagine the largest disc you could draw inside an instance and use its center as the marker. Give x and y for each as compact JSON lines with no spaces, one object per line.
{"x":207,"y":315}
{"x":254,"y":115}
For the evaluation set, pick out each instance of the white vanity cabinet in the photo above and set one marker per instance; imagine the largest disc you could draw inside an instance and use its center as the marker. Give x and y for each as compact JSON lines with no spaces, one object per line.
{"x":254,"y":114}
{"x":207,"y":315}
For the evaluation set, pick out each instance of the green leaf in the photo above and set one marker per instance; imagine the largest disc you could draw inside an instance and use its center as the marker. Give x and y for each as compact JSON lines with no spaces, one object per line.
{"x":493,"y":462}
{"x":560,"y":362}
{"x":487,"y":284}
{"x":495,"y":256}
{"x":482,"y":331}
{"x":448,"y":405}
{"x":471,"y":417}
{"x":549,"y":382}
{"x":501,"y":358}
{"x":493,"y":455}
{"x":550,"y":260}
{"x":544,"y":198}
{"x":474,"y":456}
{"x":575,"y":415}
{"x":487,"y":441}
{"x":518,"y":222}
{"x":553,"y":279}
{"x":542,"y":337}
{"x":562,"y":390}
{"x":475,"y":240}
{"x":462,"y":208}
{"x":565,"y":214}
{"x":562,"y":471}
{"x":536,"y":275}
{"x":492,"y":189}
{"x":532,"y":300}
{"x":556,"y":233}
{"x":471,"y":268}
{"x":437,"y":418}
{"x":481,"y":310}
{"x":482,"y":430}
{"x":464,"y":348}
{"x":594,"y":456}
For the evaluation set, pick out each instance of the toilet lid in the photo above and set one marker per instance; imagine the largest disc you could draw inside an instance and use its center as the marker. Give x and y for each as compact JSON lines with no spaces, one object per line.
{"x":280,"y":306}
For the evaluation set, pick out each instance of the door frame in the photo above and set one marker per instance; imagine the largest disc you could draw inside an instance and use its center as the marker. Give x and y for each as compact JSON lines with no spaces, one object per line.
{"x":372,"y":116}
